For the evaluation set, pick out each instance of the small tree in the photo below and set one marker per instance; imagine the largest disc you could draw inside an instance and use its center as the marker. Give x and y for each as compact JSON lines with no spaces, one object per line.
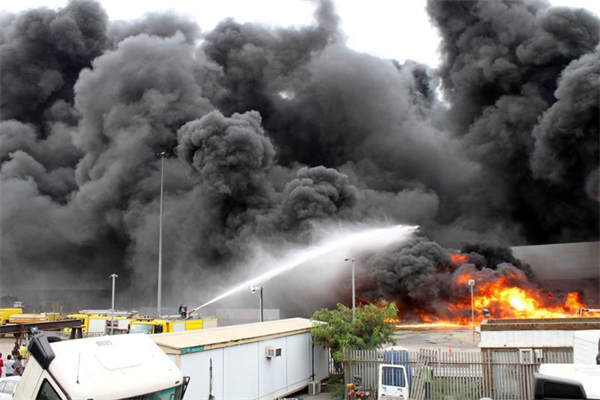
{"x":371,"y":329}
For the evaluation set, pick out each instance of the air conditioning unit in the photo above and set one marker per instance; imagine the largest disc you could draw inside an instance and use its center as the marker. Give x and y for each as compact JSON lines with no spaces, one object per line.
{"x":314,"y":388}
{"x":272,"y":352}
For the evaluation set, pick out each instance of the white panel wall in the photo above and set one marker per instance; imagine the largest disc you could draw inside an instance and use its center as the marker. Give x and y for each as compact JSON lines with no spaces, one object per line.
{"x":321,"y":362}
{"x":526,"y":338}
{"x":298,"y":361}
{"x":240,"y":371}
{"x":244,"y":372}
{"x":197,"y":367}
{"x":272,"y":372}
{"x":585,"y":347}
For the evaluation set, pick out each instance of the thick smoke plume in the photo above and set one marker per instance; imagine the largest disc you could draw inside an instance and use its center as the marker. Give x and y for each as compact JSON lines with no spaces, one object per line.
{"x":429,"y":284}
{"x":272,"y":131}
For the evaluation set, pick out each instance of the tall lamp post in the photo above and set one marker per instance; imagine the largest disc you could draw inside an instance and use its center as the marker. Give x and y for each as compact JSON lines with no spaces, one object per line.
{"x":159,"y":295}
{"x":353,"y":290}
{"x":112,"y":305}
{"x":471,"y":285}
{"x":258,"y":290}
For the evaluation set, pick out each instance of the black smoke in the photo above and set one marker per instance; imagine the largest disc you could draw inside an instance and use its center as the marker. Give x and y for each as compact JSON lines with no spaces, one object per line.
{"x":273,"y":131}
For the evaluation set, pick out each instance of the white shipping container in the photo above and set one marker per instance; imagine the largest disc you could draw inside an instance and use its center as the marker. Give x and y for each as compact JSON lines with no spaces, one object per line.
{"x":263,"y":361}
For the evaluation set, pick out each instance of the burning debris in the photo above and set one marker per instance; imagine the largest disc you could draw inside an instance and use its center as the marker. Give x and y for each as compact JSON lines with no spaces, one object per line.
{"x":279,"y":130}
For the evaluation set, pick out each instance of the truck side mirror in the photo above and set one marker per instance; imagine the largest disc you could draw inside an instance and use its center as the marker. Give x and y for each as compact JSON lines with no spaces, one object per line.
{"x":40,"y":349}
{"x":549,"y":388}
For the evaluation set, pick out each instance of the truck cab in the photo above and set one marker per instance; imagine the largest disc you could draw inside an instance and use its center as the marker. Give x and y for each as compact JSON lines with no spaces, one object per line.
{"x":107,"y":367}
{"x":148,"y":326}
{"x":6,"y":313}
{"x":567,"y":381}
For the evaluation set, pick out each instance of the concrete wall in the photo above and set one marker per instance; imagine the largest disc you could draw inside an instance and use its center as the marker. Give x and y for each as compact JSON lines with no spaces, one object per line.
{"x":569,"y":261}
{"x":243,"y":371}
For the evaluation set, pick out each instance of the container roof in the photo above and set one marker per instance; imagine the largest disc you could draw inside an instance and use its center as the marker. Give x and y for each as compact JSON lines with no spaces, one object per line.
{"x":207,"y":339}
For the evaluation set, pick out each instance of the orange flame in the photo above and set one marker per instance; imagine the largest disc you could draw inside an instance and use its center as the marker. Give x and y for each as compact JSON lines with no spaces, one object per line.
{"x":503,"y":298}
{"x":459,"y":259}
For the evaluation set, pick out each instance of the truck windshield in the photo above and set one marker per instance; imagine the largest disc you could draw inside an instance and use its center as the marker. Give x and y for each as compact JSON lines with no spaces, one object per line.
{"x":174,"y":393}
{"x":141,"y":328}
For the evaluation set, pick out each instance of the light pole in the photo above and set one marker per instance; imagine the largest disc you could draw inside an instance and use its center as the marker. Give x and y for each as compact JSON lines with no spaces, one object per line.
{"x":472,"y":284}
{"x":159,"y":295}
{"x":353,"y":290}
{"x":112,"y":306}
{"x":259,"y":290}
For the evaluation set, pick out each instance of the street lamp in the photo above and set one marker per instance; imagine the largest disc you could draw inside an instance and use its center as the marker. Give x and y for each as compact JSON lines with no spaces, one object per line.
{"x":353,"y":290}
{"x":259,"y":290}
{"x":112,"y":306}
{"x":471,"y":285}
{"x":159,"y":296}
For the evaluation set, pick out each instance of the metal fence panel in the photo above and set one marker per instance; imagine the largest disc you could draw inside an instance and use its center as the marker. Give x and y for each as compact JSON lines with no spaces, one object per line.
{"x":502,"y":374}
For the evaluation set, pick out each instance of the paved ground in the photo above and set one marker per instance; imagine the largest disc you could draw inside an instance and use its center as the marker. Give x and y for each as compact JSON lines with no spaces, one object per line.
{"x":457,"y":339}
{"x":320,"y":396}
{"x":6,"y":345}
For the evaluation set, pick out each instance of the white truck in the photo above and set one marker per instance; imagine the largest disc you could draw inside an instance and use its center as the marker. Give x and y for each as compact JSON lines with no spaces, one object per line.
{"x":102,"y":368}
{"x":571,"y":381}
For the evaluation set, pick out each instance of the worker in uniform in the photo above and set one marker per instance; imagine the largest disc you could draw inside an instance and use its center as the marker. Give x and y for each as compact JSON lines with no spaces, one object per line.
{"x":427,"y":378}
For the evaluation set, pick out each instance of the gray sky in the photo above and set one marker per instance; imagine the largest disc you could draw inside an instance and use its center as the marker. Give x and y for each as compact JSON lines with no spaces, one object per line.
{"x":398,"y":29}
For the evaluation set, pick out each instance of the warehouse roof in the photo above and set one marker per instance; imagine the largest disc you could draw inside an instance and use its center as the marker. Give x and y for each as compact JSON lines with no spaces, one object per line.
{"x":207,"y":339}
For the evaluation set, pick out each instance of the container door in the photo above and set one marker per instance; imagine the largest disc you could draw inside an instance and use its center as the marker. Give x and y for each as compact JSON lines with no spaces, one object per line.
{"x":393,"y":382}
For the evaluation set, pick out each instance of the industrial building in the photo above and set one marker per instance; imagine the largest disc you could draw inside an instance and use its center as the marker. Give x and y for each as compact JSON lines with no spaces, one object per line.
{"x":551,"y":333}
{"x":266,"y":360}
{"x":564,"y":261}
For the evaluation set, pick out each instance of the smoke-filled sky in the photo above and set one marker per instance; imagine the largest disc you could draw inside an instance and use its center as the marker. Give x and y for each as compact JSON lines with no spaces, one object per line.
{"x":274,"y":131}
{"x":390,"y":29}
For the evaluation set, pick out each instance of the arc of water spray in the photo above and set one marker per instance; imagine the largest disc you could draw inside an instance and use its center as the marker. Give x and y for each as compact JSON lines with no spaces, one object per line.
{"x":384,"y":237}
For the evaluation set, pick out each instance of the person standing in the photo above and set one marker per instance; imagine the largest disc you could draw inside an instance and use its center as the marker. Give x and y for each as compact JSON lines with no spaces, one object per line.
{"x":427,"y":378}
{"x":9,"y":366}
{"x":1,"y":364}
{"x":18,"y":366}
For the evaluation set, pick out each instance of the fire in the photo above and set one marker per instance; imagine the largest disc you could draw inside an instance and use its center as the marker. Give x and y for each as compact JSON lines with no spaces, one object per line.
{"x":459,"y":259}
{"x":505,"y":301}
{"x":503,"y":297}
{"x":430,"y":325}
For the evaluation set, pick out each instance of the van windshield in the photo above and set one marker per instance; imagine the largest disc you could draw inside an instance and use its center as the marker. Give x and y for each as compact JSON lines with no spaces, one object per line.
{"x":140,"y":328}
{"x":174,"y":393}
